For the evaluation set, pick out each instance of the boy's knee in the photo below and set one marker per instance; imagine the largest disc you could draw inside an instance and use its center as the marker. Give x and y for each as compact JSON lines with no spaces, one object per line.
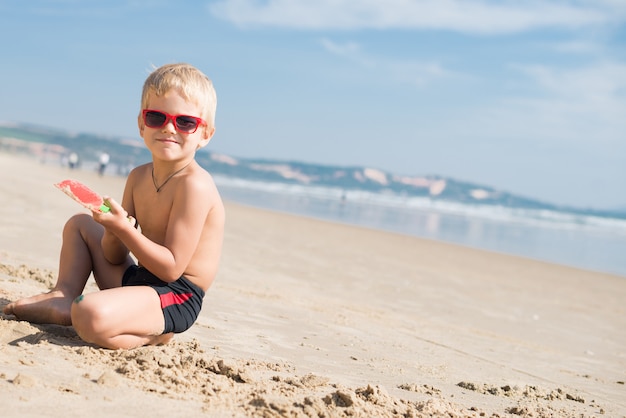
{"x":75,"y":221}
{"x":87,"y":319}
{"x":79,"y":218}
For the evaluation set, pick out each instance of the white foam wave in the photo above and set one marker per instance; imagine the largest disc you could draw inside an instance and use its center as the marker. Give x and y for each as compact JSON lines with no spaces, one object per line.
{"x":535,"y":217}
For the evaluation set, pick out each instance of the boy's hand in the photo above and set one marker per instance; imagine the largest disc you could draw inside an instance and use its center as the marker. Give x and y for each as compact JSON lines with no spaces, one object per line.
{"x":116,"y":219}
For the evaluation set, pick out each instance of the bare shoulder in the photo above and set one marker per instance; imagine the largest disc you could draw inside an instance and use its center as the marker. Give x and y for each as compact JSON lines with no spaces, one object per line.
{"x":199,"y":184}
{"x":141,"y":170}
{"x":138,"y":173}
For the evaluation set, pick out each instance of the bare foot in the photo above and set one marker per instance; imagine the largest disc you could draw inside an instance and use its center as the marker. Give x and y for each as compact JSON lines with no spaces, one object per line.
{"x":47,"y":308}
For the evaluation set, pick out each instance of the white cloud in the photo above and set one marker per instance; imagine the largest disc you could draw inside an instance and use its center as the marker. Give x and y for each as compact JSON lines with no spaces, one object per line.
{"x":581,"y":105}
{"x":405,"y":71}
{"x":599,"y":82}
{"x":349,"y":49}
{"x":469,"y":16}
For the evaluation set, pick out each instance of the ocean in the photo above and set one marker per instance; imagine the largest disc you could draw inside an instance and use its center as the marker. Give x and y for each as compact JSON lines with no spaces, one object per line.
{"x":582,"y":241}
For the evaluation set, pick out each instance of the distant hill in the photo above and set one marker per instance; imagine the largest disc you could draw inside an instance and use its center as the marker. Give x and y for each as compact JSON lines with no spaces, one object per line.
{"x":48,"y":143}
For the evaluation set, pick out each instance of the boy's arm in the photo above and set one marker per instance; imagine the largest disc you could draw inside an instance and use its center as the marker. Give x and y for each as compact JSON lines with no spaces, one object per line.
{"x":115,"y":251}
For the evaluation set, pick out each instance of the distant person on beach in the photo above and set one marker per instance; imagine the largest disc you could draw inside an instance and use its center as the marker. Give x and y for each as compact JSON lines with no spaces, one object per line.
{"x":73,"y":161}
{"x":103,"y":162}
{"x":178,"y":245}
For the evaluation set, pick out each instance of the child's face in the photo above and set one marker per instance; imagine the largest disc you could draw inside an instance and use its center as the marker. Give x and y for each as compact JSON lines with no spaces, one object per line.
{"x":167,"y":142}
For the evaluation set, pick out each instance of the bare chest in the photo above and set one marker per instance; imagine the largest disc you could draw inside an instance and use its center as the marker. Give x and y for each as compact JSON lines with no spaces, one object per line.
{"x":152,"y":211}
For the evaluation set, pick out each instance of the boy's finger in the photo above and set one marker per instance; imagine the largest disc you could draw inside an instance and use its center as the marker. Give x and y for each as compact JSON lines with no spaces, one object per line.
{"x":110,"y":202}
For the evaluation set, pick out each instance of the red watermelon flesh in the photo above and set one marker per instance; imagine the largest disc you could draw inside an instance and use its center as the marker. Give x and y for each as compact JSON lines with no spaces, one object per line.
{"x":83,"y":195}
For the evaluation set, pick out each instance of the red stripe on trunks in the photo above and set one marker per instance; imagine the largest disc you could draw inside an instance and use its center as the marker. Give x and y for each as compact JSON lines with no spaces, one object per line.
{"x":174,"y":299}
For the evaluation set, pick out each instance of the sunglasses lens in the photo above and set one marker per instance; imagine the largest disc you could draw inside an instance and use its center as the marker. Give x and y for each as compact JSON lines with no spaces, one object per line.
{"x":155,"y":119}
{"x":186,"y":123}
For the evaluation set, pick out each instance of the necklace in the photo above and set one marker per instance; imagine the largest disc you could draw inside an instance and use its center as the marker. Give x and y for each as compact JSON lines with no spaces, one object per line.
{"x":158,"y":188}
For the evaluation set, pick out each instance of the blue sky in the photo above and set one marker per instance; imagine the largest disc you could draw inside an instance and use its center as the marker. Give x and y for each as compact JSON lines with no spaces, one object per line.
{"x":525,"y":96}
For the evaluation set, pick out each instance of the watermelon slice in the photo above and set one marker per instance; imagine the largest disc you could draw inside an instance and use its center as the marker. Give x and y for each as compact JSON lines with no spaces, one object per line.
{"x":83,"y":195}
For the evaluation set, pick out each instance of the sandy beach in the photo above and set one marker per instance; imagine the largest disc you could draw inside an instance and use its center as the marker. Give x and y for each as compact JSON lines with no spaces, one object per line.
{"x":309,"y":318}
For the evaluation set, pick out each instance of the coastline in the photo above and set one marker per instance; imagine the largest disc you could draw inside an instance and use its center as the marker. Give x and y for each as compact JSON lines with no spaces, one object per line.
{"x":311,"y":316}
{"x":585,"y":242}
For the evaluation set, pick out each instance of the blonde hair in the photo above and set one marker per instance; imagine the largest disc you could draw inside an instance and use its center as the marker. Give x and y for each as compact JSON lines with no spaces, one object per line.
{"x":190,"y":82}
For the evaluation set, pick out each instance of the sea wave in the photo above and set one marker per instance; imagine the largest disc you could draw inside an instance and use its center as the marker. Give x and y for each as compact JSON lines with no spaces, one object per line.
{"x":526,"y":216}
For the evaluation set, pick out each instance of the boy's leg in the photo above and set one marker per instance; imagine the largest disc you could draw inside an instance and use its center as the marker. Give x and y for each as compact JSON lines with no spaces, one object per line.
{"x":81,"y":253}
{"x":123,"y":317}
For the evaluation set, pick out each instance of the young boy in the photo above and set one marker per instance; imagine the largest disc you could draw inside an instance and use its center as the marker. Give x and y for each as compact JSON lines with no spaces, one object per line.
{"x":181,"y":216}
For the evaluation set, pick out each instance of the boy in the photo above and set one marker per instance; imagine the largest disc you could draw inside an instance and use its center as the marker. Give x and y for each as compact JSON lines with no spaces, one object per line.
{"x":181,"y":215}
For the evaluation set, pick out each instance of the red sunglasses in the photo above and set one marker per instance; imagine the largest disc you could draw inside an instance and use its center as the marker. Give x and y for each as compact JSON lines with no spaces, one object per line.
{"x":183,"y":123}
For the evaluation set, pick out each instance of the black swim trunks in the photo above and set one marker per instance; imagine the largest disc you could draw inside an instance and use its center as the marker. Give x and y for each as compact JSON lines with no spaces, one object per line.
{"x":181,"y":300}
